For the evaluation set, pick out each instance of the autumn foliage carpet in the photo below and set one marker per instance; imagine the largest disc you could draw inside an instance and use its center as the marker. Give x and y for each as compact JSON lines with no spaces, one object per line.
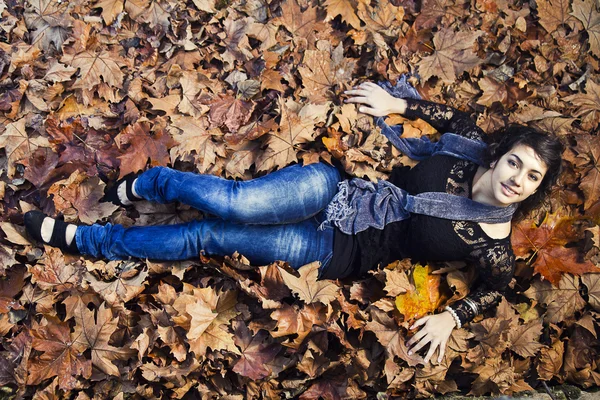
{"x":93,"y":90}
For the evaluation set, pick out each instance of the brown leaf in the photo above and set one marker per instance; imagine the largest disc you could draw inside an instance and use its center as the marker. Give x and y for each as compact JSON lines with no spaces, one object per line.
{"x":561,"y":301}
{"x":79,"y":196}
{"x":282,"y":144}
{"x":396,"y":282}
{"x":588,"y":105}
{"x":390,"y":336}
{"x":50,"y":21}
{"x":592,"y":283}
{"x":62,"y":355}
{"x":586,"y":11}
{"x":51,"y":273}
{"x":453,"y":55}
{"x":95,"y":68}
{"x":302,"y":24}
{"x":307,"y":287}
{"x":551,"y":361}
{"x":553,"y":13}
{"x":95,"y":334}
{"x":143,"y":146}
{"x":524,"y":339}
{"x":19,"y":145}
{"x":231,"y":112}
{"x":14,"y":233}
{"x":110,"y":9}
{"x":548,"y":244}
{"x":383,"y":17}
{"x":345,"y":8}
{"x":257,"y":352}
{"x":293,"y":320}
{"x":123,"y":288}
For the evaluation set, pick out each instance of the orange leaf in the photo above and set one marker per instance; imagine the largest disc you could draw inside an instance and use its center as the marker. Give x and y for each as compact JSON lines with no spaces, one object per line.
{"x":425,"y":298}
{"x":547,"y":242}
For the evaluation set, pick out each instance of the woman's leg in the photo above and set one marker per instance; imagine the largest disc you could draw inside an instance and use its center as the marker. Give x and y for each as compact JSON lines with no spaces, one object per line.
{"x":288,"y":195}
{"x":298,"y":243}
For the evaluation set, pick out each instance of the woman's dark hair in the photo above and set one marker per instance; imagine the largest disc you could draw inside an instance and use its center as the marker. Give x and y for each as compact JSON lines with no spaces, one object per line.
{"x":548,"y":148}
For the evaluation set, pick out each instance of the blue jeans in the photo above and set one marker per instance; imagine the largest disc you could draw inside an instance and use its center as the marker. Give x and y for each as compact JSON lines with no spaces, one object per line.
{"x":274,"y":217}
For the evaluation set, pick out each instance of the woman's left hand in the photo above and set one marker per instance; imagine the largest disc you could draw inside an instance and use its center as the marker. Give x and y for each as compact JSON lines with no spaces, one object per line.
{"x":436,"y":332}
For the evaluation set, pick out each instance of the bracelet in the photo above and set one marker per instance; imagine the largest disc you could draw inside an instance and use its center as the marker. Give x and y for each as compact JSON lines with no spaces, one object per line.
{"x":473,"y":306}
{"x":454,"y":315}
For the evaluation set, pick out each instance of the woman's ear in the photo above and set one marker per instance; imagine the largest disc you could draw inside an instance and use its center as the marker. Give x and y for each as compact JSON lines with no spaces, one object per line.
{"x":493,"y":164}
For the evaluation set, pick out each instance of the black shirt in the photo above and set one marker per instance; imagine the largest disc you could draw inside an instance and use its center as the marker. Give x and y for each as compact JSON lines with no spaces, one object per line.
{"x":425,"y":238}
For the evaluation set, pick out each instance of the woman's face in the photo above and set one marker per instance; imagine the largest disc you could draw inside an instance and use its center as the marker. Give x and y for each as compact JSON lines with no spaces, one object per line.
{"x":517,"y":175}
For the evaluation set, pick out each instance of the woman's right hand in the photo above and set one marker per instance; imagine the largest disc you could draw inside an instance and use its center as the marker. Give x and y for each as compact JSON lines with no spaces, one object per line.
{"x":377,"y":102}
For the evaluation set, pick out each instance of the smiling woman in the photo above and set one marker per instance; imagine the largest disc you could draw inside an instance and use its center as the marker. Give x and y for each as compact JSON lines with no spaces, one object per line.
{"x":456,"y":204}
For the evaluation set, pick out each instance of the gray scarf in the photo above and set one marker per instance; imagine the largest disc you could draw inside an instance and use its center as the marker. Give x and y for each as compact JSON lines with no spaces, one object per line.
{"x":359,"y":204}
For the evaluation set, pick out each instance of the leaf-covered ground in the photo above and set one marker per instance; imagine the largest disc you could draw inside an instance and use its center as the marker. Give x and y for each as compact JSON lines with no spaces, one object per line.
{"x":93,"y":90}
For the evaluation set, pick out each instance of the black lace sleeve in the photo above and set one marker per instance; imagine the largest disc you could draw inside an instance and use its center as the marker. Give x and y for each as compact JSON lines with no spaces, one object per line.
{"x":496,"y":266}
{"x":443,"y":118}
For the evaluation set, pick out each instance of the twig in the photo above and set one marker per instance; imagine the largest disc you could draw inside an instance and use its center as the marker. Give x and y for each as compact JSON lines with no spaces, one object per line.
{"x":547,"y":389}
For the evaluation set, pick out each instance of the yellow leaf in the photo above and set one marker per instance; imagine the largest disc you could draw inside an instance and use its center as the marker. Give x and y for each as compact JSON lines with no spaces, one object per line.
{"x":425,"y":298}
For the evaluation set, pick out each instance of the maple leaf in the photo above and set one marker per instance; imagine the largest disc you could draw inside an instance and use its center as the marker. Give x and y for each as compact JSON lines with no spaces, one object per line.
{"x":231,"y":112}
{"x":143,"y":146}
{"x":258,"y":352}
{"x":110,"y":9}
{"x":494,"y":375}
{"x":96,"y":67}
{"x":125,"y":287}
{"x":205,"y":314}
{"x":281,"y":145}
{"x":95,"y":333}
{"x":396,"y":282}
{"x":235,"y":40}
{"x":300,"y":23}
{"x":551,"y":361}
{"x":587,"y":12}
{"x":176,"y":374}
{"x":7,"y":258}
{"x":547,"y":242}
{"x":293,"y":320}
{"x":524,"y":339}
{"x":266,"y":33}
{"x":561,"y":301}
{"x":432,"y":12}
{"x":50,"y":21}
{"x":191,"y":86}
{"x":321,"y":70}
{"x":62,"y":355}
{"x":307,"y":287}
{"x":52,"y":272}
{"x":381,"y":18}
{"x":588,"y":104}
{"x":424,"y":298}
{"x":507,"y":92}
{"x":79,"y":196}
{"x":453,"y":55}
{"x":390,"y":336}
{"x":345,"y":8}
{"x":592,"y":282}
{"x":18,"y":145}
{"x":554,"y":13}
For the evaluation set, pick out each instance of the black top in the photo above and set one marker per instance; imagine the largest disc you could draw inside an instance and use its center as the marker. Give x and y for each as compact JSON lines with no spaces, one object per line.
{"x":424,"y":238}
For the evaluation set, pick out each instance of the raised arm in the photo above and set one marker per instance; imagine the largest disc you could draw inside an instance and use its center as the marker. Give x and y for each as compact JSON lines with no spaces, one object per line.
{"x":378,"y":103}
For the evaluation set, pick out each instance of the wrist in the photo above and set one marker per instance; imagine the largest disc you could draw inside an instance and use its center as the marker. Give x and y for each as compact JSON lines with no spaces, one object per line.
{"x":398,"y":106}
{"x":452,"y":314}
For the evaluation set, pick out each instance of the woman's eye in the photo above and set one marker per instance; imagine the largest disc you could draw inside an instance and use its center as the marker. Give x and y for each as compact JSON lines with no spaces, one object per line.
{"x":533,"y":178}
{"x":512,"y":163}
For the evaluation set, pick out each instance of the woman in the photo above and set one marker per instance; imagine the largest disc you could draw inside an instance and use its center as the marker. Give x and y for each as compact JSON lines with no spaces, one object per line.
{"x":300,"y":214}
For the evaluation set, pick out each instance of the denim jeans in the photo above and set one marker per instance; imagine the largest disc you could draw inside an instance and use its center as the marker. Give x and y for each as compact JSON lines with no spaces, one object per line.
{"x":274,"y":217}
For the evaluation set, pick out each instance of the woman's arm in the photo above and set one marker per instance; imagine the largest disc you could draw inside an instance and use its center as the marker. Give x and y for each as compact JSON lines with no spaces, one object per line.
{"x":378,"y":103}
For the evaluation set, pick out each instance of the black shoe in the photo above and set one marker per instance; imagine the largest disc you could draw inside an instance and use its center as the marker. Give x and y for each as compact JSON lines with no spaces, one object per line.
{"x":33,"y":224}
{"x":111,"y":192}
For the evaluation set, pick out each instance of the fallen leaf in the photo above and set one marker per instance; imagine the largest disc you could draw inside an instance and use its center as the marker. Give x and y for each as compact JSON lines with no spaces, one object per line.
{"x":586,"y":11}
{"x":257,"y":352}
{"x":425,"y":297}
{"x":307,"y":287}
{"x":561,"y":301}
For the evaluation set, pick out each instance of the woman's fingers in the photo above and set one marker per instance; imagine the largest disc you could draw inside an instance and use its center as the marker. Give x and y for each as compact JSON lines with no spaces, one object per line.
{"x":420,"y":321}
{"x":442,"y":350}
{"x":416,"y":337}
{"x":434,"y":344}
{"x":357,"y":100}
{"x":426,"y":339}
{"x":370,"y":111}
